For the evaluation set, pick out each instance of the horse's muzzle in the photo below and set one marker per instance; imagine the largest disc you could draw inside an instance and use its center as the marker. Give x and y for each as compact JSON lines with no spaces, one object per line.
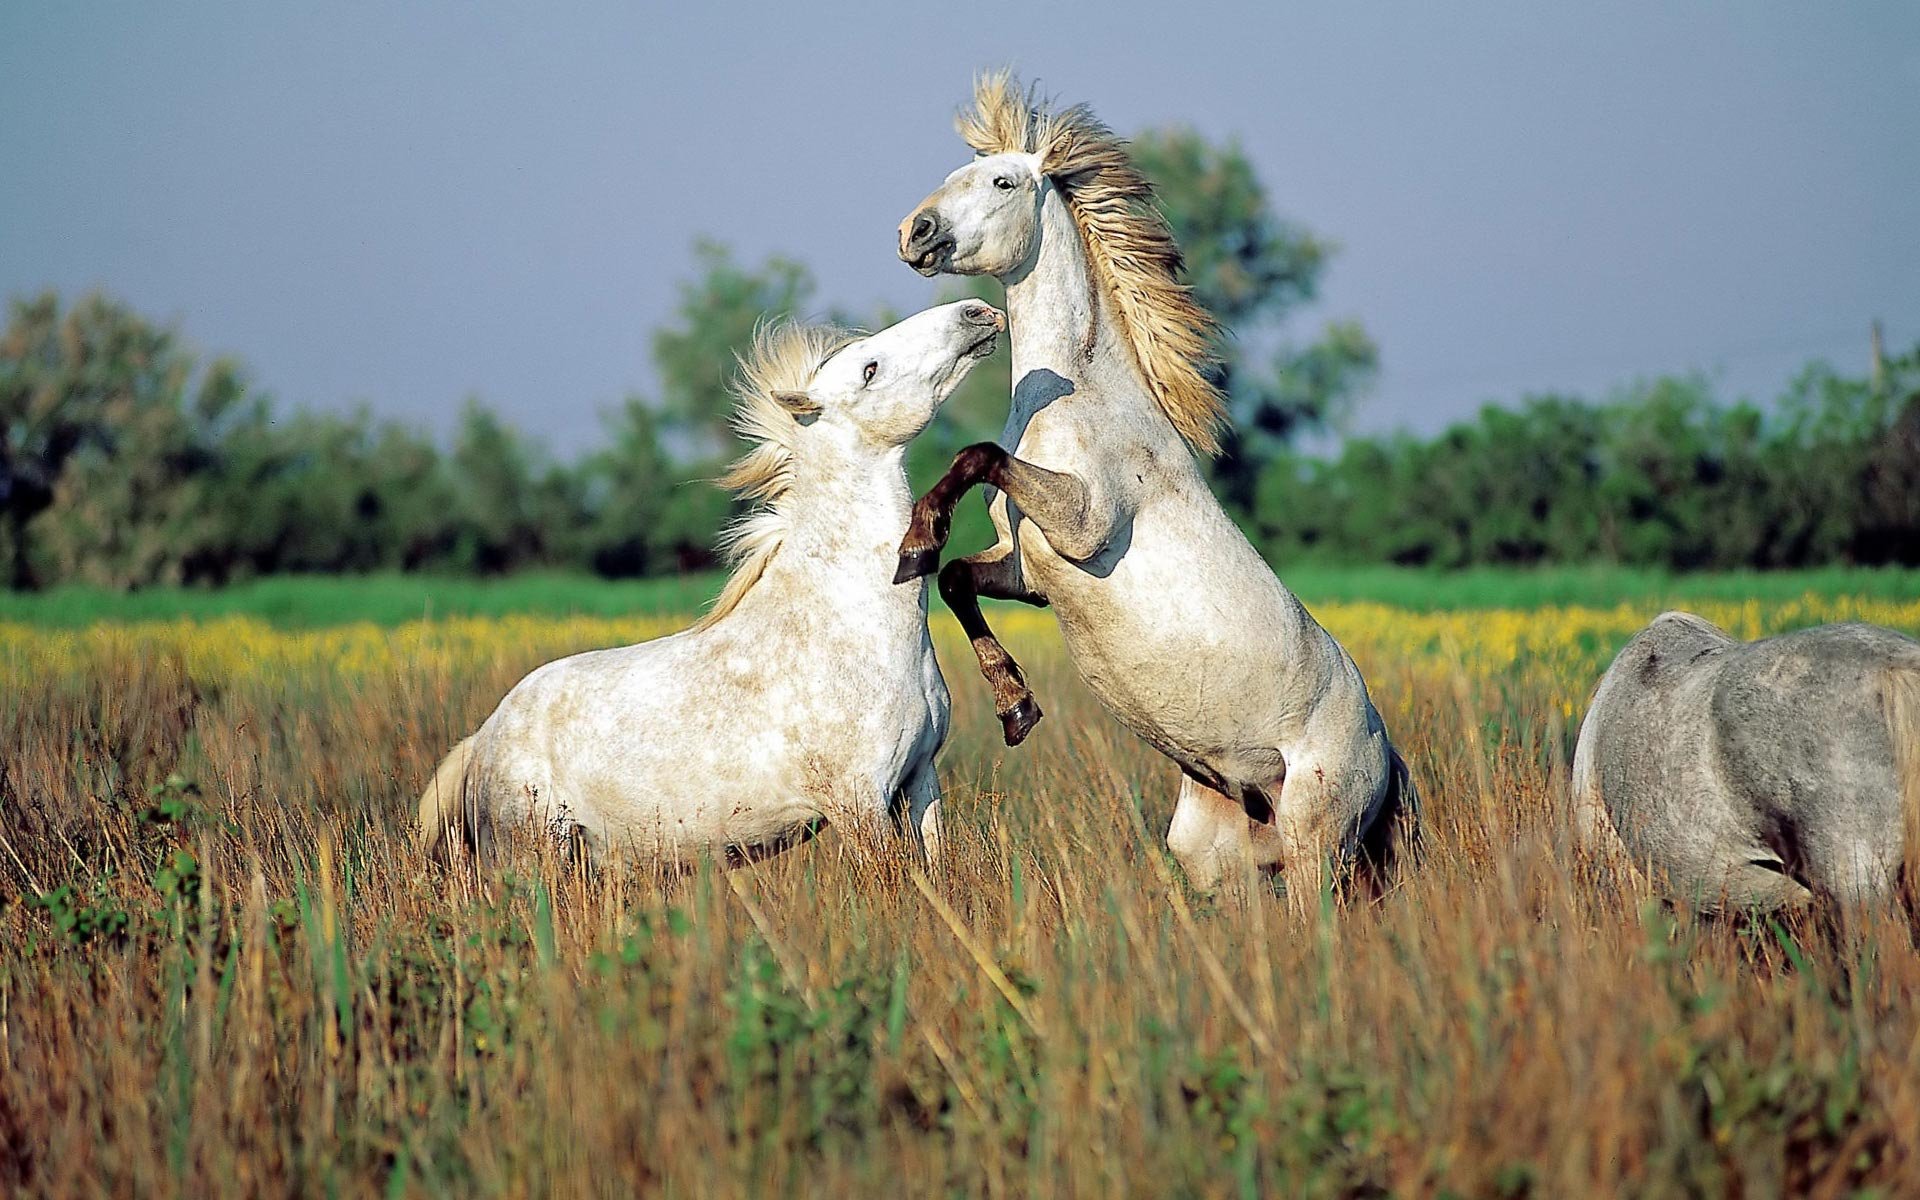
{"x":926,"y":243}
{"x":991,"y":321}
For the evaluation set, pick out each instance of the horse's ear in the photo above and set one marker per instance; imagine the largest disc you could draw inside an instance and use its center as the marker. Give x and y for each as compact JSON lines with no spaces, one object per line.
{"x":802,"y":407}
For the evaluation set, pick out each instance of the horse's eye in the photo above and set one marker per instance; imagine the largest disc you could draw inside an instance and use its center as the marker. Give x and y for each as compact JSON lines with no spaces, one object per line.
{"x":868,"y":372}
{"x":1003,"y":183}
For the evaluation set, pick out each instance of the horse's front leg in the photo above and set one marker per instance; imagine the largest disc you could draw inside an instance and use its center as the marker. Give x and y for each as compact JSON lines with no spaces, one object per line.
{"x":1058,"y":504}
{"x":994,"y":573}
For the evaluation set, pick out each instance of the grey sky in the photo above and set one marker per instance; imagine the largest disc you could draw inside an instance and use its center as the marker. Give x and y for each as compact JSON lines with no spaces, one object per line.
{"x":408,"y":203}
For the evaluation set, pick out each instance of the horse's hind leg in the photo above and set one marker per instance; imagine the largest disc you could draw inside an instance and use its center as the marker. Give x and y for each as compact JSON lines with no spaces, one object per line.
{"x":917,"y":809}
{"x":1213,"y":838}
{"x":1317,"y":817}
{"x":1857,"y":867}
{"x":994,"y":573}
{"x":1753,"y":883}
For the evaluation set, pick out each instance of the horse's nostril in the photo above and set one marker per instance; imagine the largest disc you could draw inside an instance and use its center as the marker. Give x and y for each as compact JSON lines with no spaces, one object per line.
{"x":923,"y":226}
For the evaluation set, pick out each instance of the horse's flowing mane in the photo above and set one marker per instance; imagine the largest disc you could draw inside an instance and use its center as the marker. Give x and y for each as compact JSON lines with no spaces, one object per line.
{"x":1131,"y":249}
{"x":783,"y":358}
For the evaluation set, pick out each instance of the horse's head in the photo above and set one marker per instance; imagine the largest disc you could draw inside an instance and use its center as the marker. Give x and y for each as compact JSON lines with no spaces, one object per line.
{"x":884,"y":388}
{"x":984,"y":220}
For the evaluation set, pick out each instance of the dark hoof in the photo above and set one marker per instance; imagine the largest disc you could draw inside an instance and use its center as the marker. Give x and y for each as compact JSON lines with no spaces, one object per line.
{"x":1017,"y":722}
{"x":917,"y":564}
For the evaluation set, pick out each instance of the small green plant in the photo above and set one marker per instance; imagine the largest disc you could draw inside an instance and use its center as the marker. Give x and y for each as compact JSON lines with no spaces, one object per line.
{"x":177,"y":878}
{"x":175,"y":804}
{"x":80,"y":919}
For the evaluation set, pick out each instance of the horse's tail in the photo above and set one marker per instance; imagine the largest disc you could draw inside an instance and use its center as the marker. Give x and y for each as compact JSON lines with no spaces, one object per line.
{"x":1903,"y":724}
{"x":443,"y":804}
{"x":1391,"y":841}
{"x":1596,"y":842}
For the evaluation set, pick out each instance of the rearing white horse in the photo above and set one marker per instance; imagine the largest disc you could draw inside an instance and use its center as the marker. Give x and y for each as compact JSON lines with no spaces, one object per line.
{"x":808,"y":694}
{"x":1102,"y":512}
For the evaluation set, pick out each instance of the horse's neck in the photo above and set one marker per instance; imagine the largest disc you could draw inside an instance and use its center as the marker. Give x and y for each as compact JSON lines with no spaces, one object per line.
{"x":1071,"y":364}
{"x":845,"y":516}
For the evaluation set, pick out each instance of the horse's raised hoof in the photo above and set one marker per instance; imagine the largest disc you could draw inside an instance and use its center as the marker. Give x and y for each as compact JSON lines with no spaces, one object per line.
{"x":917,"y":564}
{"x":1017,"y":722}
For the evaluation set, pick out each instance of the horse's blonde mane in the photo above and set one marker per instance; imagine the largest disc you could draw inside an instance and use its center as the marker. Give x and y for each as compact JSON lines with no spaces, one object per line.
{"x":783,"y":358}
{"x":1131,"y":249}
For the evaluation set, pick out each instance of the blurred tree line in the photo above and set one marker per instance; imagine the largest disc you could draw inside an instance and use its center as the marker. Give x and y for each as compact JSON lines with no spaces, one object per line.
{"x":1661,"y":474}
{"x":126,"y":460}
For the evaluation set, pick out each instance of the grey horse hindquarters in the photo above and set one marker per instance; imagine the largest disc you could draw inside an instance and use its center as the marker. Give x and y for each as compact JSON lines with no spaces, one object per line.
{"x":1739,"y":772}
{"x":1805,"y":740}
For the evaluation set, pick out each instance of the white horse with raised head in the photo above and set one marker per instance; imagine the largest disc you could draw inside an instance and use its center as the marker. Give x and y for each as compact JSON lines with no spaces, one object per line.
{"x":1755,"y":775}
{"x":1171,"y":616}
{"x":808,"y":694}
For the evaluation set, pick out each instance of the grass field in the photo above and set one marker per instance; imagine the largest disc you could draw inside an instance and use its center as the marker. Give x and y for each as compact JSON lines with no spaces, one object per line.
{"x":222,"y":971}
{"x":309,"y":601}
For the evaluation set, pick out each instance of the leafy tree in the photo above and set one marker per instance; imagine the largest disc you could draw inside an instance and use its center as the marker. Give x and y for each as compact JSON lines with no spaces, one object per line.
{"x":131,"y":505}
{"x":110,"y":453}
{"x":68,"y":382}
{"x":325,"y":492}
{"x":650,"y":516}
{"x":627,"y":486}
{"x":514,"y":509}
{"x":1251,"y":269}
{"x":1660,"y":475}
{"x":124,"y":461}
{"x":714,"y":320}
{"x":1889,"y":527}
{"x":652,"y":507}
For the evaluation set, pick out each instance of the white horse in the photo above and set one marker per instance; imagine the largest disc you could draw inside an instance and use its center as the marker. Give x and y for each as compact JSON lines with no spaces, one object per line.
{"x":1754,"y":775}
{"x":808,"y":694}
{"x":1102,"y":511}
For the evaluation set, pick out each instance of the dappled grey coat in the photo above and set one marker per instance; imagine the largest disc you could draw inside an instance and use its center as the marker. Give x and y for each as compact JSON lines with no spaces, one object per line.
{"x":1753,"y":774}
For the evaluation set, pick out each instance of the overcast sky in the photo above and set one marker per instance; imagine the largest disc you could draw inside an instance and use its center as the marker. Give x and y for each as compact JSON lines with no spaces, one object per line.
{"x":404,"y":204}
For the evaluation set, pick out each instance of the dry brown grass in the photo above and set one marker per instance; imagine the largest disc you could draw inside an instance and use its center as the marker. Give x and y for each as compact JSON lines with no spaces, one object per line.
{"x":241,"y":982}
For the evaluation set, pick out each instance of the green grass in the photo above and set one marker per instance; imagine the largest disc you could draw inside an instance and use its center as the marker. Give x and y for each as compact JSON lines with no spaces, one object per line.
{"x":1593,"y":587}
{"x":307,"y":601}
